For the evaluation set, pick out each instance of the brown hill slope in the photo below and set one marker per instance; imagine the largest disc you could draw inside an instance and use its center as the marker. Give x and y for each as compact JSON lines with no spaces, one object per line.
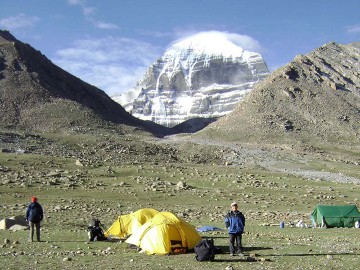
{"x":35,"y":94}
{"x":313,"y":99}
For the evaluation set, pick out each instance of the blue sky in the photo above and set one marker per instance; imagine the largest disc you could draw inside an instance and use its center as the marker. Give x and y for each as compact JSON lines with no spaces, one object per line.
{"x":111,"y":43}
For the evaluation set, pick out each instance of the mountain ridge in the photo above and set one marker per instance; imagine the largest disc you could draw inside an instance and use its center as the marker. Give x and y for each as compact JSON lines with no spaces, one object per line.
{"x":194,"y":79}
{"x":313,"y":99}
{"x":30,"y":84}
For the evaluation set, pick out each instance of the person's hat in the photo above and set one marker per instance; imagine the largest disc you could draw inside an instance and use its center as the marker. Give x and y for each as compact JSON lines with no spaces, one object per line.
{"x":33,"y":199}
{"x":234,"y":204}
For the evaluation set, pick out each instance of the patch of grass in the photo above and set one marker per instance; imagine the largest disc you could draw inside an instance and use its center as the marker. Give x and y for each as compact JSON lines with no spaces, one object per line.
{"x":106,"y":191}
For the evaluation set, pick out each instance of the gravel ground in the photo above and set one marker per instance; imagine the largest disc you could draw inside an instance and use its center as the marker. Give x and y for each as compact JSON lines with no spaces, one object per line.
{"x":273,"y":160}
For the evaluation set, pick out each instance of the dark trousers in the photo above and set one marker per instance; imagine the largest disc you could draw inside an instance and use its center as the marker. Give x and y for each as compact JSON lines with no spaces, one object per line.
{"x":235,"y":237}
{"x":37,"y":226}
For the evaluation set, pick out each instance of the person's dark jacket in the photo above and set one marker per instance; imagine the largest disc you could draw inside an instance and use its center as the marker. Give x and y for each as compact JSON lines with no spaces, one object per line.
{"x":39,"y":212}
{"x":235,"y":222}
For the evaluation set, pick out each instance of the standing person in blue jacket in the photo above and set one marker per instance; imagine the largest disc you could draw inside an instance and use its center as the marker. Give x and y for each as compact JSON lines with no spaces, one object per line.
{"x":235,"y":223}
{"x":34,"y":215}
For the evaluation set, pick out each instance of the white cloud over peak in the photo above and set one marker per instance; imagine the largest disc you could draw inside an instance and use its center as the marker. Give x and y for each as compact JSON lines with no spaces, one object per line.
{"x":113,"y":64}
{"x":244,"y":41}
{"x":19,"y":21}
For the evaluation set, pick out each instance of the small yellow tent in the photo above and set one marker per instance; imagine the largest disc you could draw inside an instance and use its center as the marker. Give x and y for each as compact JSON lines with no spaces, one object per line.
{"x":126,"y":225}
{"x":163,"y":233}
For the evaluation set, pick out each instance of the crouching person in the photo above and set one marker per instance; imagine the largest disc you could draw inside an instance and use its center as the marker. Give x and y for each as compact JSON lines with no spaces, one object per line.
{"x":95,"y":232}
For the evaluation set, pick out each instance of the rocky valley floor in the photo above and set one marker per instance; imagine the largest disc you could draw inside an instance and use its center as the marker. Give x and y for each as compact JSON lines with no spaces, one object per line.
{"x":77,"y":177}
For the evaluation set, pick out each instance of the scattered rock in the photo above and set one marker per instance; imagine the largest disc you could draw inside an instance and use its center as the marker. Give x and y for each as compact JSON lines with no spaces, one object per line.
{"x":79,"y":163}
{"x":181,"y":185}
{"x":251,"y":259}
{"x":18,"y":227}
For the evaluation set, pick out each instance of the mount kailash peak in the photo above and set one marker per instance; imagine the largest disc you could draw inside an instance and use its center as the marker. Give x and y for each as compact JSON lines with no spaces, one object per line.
{"x":203,"y":76}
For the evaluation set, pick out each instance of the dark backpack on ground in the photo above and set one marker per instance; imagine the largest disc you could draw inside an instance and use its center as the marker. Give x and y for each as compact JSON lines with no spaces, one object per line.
{"x":35,"y":212}
{"x":205,"y":250}
{"x":95,"y":231}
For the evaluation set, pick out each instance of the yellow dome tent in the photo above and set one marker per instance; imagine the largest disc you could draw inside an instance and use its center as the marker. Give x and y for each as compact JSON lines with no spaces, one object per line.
{"x":164,"y":233}
{"x":126,"y":225}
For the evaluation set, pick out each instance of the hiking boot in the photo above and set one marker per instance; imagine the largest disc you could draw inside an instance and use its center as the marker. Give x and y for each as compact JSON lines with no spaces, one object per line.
{"x":232,"y":254}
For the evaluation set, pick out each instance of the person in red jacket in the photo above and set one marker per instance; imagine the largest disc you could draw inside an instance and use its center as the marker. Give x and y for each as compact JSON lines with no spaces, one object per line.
{"x":34,"y":215}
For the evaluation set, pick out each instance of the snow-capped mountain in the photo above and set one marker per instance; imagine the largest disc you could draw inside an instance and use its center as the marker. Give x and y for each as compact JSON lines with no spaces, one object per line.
{"x":204,"y":76}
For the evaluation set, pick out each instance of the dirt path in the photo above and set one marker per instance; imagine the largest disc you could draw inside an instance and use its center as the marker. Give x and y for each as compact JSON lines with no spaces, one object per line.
{"x":273,"y":160}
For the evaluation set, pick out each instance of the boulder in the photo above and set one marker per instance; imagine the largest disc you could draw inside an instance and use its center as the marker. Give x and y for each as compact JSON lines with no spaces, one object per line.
{"x":7,"y":223}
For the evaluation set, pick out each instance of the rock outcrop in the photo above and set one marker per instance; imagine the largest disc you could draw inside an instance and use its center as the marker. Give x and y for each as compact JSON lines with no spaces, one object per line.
{"x":203,"y":76}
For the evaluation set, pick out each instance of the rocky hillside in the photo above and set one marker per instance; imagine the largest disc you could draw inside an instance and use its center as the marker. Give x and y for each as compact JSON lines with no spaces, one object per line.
{"x":35,"y":94}
{"x":313,"y":99}
{"x":203,"y":76}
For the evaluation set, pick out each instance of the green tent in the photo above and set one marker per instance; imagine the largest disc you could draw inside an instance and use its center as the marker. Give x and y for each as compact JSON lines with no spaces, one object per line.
{"x":331,"y":216}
